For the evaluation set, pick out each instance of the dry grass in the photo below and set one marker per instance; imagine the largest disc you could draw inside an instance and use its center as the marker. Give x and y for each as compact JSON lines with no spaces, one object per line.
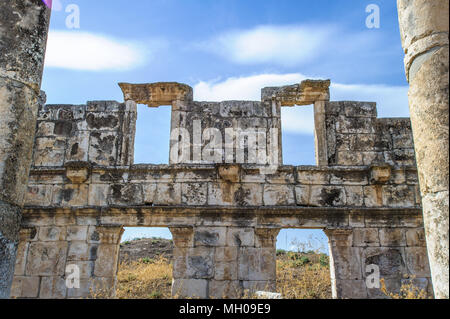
{"x":407,"y":291}
{"x":145,"y":279}
{"x":308,"y":281}
{"x":152,"y":279}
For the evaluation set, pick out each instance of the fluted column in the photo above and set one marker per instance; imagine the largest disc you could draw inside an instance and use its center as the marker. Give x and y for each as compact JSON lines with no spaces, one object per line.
{"x":424,"y":26}
{"x":23,"y":36}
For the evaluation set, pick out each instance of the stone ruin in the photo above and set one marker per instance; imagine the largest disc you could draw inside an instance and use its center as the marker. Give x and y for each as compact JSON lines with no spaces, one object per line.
{"x":223,"y":211}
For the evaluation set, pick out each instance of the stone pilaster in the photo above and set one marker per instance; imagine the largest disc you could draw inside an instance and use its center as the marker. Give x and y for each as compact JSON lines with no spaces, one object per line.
{"x":223,"y":262}
{"x":345,"y":265}
{"x":424,"y":27}
{"x":23,"y":35}
{"x":362,"y":256}
{"x":107,"y":259}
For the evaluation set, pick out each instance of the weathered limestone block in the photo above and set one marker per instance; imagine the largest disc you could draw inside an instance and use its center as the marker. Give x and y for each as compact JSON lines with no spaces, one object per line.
{"x":39,"y":195}
{"x":126,"y":194}
{"x":305,"y":93}
{"x":392,"y":237}
{"x":49,"y":151}
{"x":98,"y":194}
{"x":26,"y":235}
{"x":78,"y":147}
{"x":278,"y":195}
{"x":103,"y":147}
{"x":194,"y":194}
{"x":168,"y":194}
{"x":71,"y":196}
{"x":25,"y":287}
{"x":52,"y":288}
{"x":424,"y":29}
{"x":194,"y":288}
{"x":366,"y":237}
{"x":240,"y":237}
{"x":345,"y":265}
{"x":327,"y":196}
{"x":399,"y":196}
{"x":210,"y":236}
{"x":415,"y":237}
{"x":228,"y":289}
{"x":46,"y":259}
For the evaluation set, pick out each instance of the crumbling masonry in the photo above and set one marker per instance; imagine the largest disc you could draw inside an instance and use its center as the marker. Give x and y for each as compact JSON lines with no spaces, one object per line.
{"x":224,"y":218}
{"x":83,"y":187}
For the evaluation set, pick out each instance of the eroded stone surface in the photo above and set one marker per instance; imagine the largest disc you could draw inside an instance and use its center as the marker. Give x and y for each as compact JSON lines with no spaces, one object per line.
{"x":424,"y":27}
{"x":23,"y":35}
{"x":224,"y":216}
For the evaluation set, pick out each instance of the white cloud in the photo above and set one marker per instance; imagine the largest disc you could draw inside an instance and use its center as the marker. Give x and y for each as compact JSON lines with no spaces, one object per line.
{"x":392,"y":101}
{"x":284,"y":45}
{"x":242,"y":88}
{"x":92,"y":52}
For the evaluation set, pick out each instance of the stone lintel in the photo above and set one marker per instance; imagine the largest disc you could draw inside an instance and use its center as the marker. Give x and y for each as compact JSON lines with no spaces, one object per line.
{"x":306,"y":93}
{"x":157,"y":94}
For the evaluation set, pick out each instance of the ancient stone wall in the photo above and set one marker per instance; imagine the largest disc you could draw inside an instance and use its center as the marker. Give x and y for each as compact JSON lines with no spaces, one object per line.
{"x":224,"y":217}
{"x":355,"y":136}
{"x":100,"y":132}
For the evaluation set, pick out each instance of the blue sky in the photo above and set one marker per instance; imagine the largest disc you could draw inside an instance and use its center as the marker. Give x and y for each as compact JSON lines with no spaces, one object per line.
{"x":226,"y":49}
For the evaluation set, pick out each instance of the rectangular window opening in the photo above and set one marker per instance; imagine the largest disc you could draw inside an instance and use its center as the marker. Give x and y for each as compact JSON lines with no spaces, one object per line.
{"x":303,"y":269}
{"x":297,"y":124}
{"x":145,"y":264}
{"x":152,"y":139}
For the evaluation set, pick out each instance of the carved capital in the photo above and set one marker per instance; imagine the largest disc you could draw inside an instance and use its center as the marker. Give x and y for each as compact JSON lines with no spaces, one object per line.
{"x":266,"y":237}
{"x":230,"y":173}
{"x":182,"y":236}
{"x":78,"y":172}
{"x":110,"y":234}
{"x":339,"y":236}
{"x":27,"y":234}
{"x":380,"y":174}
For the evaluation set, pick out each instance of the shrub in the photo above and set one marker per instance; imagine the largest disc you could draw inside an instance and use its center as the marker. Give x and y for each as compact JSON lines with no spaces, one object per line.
{"x":324,"y":260}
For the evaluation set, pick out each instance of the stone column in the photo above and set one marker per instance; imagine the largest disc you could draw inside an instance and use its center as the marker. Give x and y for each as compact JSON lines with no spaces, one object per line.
{"x":424,"y":26}
{"x":23,"y":36}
